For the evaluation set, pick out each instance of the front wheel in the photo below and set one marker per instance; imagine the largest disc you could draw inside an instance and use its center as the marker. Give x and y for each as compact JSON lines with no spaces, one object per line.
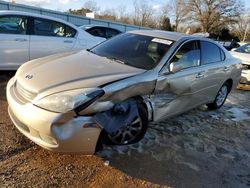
{"x":220,"y":97}
{"x":133,"y":132}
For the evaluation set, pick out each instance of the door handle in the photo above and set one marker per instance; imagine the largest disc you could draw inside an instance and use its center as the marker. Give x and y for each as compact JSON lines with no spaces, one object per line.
{"x":68,"y":41}
{"x":21,"y":40}
{"x":226,"y":69}
{"x":199,"y":75}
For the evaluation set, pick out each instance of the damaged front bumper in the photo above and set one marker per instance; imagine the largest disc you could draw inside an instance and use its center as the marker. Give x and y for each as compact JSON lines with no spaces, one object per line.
{"x":54,"y":131}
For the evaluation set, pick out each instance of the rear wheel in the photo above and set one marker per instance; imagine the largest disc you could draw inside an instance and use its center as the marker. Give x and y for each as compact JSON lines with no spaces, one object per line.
{"x":134,"y":132}
{"x":220,"y":97}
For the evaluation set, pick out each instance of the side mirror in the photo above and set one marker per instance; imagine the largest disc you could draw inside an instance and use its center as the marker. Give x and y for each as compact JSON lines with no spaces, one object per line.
{"x":174,"y":67}
{"x":171,"y":67}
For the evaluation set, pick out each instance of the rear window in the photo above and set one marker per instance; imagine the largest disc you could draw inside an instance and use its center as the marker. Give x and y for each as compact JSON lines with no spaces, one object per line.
{"x":210,"y":53}
{"x":96,"y":31}
{"x":111,"y":32}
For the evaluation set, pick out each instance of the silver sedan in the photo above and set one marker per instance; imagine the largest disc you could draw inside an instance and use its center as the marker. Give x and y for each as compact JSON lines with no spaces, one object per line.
{"x":66,"y":102}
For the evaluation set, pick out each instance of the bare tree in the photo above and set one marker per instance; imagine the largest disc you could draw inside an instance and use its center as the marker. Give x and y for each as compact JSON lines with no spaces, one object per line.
{"x":108,"y":14}
{"x":123,"y":15}
{"x":177,"y":10}
{"x":142,"y":13}
{"x":136,"y":18}
{"x":242,"y":27}
{"x":121,"y":10}
{"x":91,"y":5}
{"x":213,"y":15}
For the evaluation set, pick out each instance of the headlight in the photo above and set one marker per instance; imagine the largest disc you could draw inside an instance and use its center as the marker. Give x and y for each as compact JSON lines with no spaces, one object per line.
{"x":69,"y":100}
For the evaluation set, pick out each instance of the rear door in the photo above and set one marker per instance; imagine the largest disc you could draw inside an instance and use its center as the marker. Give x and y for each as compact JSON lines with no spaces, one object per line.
{"x":217,"y":69}
{"x":14,"y":41}
{"x":50,"y":37}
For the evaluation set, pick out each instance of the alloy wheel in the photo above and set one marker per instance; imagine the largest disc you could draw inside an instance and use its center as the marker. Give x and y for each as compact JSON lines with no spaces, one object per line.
{"x":222,"y":95}
{"x":129,"y":133}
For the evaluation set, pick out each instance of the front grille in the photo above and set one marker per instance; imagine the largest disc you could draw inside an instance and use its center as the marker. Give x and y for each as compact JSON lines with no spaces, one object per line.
{"x":245,"y":67}
{"x":21,"y":94}
{"x":24,"y":92}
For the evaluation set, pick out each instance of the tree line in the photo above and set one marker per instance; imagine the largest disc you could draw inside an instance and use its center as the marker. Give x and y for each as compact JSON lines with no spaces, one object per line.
{"x":223,"y":19}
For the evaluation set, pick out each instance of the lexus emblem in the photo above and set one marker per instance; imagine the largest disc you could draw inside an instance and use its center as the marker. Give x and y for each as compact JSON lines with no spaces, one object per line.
{"x":29,"y":76}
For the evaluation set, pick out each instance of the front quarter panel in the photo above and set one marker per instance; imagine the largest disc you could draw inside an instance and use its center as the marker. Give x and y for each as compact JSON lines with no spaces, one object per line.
{"x":118,"y":91}
{"x":139,"y":85}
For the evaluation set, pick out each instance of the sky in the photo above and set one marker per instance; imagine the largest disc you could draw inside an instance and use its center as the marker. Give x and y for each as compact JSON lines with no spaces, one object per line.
{"x":63,"y":5}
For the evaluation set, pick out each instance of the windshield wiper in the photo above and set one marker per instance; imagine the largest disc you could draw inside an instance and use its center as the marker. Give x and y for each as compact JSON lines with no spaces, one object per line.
{"x":110,"y":58}
{"x":115,"y":59}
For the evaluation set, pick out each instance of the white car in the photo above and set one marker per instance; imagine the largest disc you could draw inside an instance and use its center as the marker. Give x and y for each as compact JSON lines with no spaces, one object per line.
{"x":243,"y":53}
{"x":26,"y":36}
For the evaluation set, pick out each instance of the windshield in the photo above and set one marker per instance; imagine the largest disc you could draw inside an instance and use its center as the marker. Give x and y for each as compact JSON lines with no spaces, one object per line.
{"x":135,"y":50}
{"x":244,"y":49}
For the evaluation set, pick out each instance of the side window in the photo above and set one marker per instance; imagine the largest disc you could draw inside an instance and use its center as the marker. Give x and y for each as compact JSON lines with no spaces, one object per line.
{"x":187,"y":56}
{"x":210,"y":53}
{"x":99,"y":32}
{"x":13,"y":25}
{"x":111,"y":32}
{"x":70,"y":32}
{"x":45,"y":27}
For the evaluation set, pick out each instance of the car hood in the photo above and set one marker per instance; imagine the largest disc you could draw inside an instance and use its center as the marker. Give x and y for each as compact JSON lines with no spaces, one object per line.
{"x":244,"y":57}
{"x":71,"y":70}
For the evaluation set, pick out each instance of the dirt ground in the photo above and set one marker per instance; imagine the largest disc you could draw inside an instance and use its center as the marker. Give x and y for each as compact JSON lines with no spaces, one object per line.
{"x":200,"y":148}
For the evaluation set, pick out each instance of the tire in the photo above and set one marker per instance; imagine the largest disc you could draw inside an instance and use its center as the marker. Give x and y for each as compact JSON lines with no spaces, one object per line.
{"x":220,"y":97}
{"x":137,"y":130}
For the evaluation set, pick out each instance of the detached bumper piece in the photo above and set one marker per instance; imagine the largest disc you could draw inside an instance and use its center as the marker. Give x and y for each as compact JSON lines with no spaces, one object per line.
{"x":120,"y":116}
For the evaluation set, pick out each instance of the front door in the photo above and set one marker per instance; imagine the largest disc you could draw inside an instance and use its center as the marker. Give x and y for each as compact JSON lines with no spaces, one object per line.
{"x":180,"y":89}
{"x":50,"y":37}
{"x":14,"y":42}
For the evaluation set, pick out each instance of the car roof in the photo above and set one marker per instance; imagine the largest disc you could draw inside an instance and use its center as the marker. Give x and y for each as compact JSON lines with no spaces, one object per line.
{"x":8,"y":12}
{"x":175,"y":36}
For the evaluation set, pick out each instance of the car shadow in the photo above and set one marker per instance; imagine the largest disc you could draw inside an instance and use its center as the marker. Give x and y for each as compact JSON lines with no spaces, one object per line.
{"x":195,"y":149}
{"x":161,"y":172}
{"x":5,"y":76}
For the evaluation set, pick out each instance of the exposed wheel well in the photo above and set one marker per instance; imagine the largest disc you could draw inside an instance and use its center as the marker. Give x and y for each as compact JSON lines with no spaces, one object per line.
{"x":230,"y":83}
{"x":141,"y":100}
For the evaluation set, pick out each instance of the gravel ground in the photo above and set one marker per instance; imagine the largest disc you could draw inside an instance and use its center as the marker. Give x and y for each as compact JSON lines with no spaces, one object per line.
{"x":200,"y":148}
